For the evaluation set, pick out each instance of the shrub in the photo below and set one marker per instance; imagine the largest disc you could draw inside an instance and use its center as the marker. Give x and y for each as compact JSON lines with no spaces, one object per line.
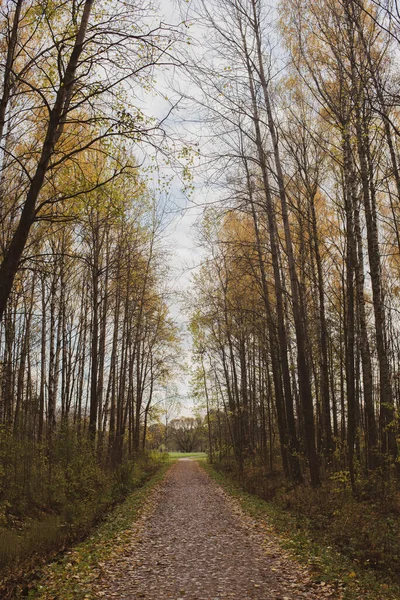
{"x":366,"y":529}
{"x":56,"y":494}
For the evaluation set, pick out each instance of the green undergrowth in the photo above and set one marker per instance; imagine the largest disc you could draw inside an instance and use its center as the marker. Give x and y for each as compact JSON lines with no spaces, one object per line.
{"x":71,"y":574}
{"x":81,"y":495}
{"x":54,"y":493}
{"x":297,"y":535}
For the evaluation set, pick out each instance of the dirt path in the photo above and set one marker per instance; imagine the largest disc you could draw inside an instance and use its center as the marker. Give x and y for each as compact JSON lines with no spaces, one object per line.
{"x":197,"y":545}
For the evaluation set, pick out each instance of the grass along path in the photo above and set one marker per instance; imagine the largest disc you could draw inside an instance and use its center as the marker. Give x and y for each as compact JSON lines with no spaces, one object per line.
{"x":191,"y":455}
{"x":73,"y":575}
{"x":327,"y":566}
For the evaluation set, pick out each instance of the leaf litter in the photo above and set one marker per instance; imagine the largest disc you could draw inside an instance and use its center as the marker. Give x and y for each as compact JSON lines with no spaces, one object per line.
{"x":193,"y":541}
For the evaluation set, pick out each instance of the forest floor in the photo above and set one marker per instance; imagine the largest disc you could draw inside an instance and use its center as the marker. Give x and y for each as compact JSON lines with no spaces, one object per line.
{"x":192,"y":541}
{"x":199,"y":545}
{"x":189,"y":540}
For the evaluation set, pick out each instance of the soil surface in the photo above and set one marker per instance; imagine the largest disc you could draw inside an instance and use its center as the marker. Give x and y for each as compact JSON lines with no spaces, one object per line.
{"x":193,"y":542}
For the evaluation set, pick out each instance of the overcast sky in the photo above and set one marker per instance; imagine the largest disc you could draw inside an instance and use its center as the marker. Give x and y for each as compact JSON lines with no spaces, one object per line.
{"x":183,"y":212}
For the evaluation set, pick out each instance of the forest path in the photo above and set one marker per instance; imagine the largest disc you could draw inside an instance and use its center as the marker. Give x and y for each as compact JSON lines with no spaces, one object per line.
{"x":197,"y":544}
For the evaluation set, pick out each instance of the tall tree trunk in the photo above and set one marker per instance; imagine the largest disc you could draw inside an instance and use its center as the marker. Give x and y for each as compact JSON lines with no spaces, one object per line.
{"x":284,"y":402}
{"x":302,"y":365}
{"x":8,"y":68}
{"x":13,"y":254}
{"x":348,"y":174}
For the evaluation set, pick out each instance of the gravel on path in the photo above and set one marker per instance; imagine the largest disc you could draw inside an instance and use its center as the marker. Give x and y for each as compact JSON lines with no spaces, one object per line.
{"x":195,"y":543}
